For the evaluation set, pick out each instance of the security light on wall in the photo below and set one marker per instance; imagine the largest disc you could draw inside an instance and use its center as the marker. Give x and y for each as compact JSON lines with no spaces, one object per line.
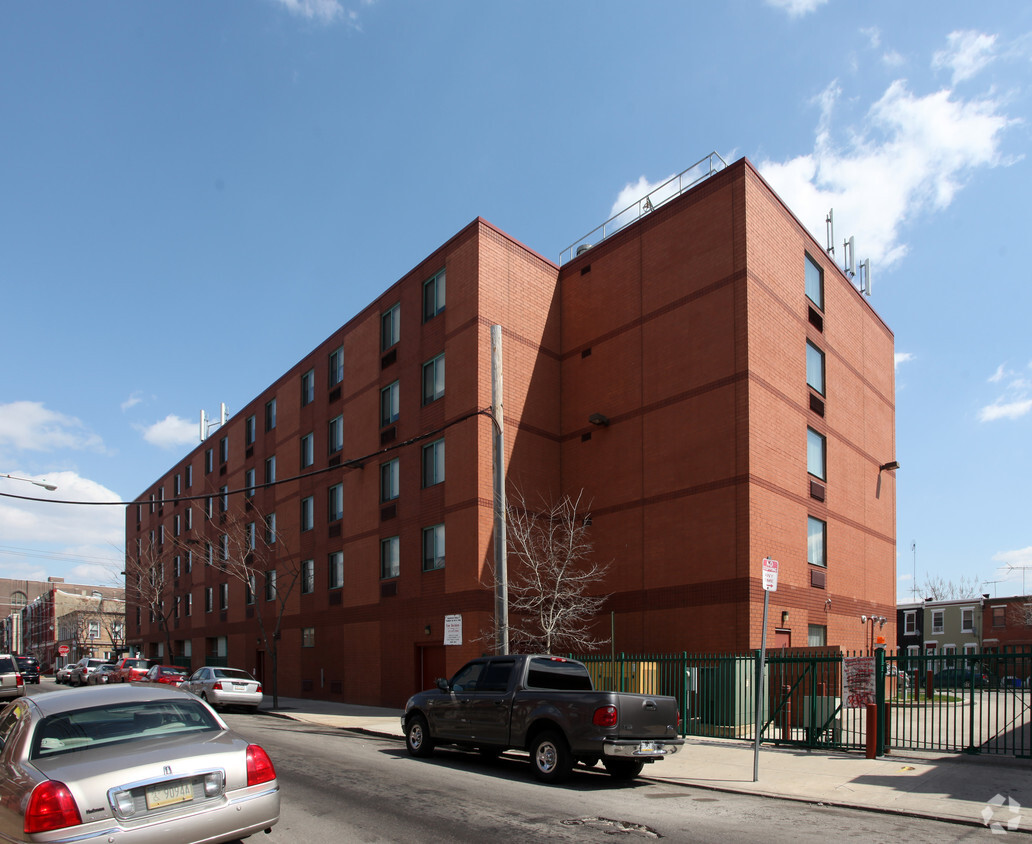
{"x":891,"y":466}
{"x":598,"y":419}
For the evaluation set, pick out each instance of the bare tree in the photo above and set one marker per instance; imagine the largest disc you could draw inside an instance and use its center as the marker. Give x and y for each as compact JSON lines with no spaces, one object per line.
{"x":149,"y":586}
{"x":939,"y":589}
{"x":551,"y":576}
{"x":250,"y":549}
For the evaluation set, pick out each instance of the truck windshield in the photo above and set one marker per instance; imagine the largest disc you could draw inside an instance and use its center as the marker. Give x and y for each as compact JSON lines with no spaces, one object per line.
{"x":559,"y":675}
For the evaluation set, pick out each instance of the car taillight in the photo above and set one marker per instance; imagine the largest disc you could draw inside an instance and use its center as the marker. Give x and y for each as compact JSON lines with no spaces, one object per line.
{"x":259,"y":689}
{"x":19,"y":680}
{"x":218,"y":686}
{"x":259,"y":766}
{"x":605,"y":716}
{"x":51,"y":806}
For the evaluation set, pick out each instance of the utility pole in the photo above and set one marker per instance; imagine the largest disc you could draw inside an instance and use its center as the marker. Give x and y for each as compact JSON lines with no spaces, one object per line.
{"x":501,"y":553}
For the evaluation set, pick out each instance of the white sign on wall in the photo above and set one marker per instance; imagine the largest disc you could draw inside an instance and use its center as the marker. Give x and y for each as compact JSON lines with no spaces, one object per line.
{"x":453,"y":630}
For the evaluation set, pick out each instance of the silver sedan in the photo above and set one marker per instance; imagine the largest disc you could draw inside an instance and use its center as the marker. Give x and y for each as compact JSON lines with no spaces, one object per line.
{"x":129,"y":763}
{"x":225,"y":687}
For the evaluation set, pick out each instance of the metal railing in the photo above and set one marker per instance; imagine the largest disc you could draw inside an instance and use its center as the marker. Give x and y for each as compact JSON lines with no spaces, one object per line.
{"x":670,"y":189}
{"x":974,"y":703}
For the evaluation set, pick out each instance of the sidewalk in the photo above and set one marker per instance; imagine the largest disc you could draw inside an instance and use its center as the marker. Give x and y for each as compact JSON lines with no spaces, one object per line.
{"x":957,"y":788}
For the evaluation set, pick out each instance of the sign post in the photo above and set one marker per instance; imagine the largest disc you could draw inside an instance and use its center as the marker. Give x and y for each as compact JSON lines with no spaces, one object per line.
{"x":770,"y":584}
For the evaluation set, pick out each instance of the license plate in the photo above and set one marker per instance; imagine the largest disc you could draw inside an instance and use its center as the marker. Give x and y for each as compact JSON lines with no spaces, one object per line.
{"x":169,"y":794}
{"x":647,"y":747}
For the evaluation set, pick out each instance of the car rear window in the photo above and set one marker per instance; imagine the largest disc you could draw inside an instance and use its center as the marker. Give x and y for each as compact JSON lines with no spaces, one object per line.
{"x":558,"y":674}
{"x":232,"y":674}
{"x":82,"y":729}
{"x":7,"y":665}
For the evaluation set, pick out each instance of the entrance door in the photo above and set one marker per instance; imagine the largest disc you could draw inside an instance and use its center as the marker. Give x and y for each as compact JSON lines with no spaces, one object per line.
{"x":782,"y":639}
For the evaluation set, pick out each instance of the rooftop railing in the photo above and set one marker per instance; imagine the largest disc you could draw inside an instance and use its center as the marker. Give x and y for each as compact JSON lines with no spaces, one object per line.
{"x":670,"y":189}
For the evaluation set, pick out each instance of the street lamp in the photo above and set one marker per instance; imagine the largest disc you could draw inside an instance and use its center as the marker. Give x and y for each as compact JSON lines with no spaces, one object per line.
{"x":872,"y":620}
{"x":44,"y":484}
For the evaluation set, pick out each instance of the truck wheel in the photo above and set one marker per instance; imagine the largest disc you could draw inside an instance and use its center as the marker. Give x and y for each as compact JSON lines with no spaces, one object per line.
{"x":624,"y":769}
{"x":417,"y":737}
{"x":550,"y":757}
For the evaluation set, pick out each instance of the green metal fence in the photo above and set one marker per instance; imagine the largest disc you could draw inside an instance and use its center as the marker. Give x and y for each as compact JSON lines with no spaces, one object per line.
{"x":976,"y":703}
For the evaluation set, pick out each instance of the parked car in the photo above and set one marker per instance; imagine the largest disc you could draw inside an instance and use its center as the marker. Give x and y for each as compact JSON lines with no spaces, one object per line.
{"x":11,"y":682}
{"x":63,"y":674}
{"x":130,"y":668}
{"x":1012,"y":682}
{"x":225,"y":687}
{"x":101,"y":674}
{"x":83,"y":668}
{"x":547,"y":706}
{"x":28,"y":667}
{"x":131,"y":763}
{"x":166,"y":675}
{"x":960,"y":678}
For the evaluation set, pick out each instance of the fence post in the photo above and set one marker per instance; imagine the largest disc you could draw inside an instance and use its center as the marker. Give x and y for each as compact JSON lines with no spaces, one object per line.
{"x":879,"y":697}
{"x":872,"y":730}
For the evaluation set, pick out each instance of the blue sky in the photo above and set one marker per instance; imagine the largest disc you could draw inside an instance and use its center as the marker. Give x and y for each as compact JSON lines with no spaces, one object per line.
{"x":169,"y":169}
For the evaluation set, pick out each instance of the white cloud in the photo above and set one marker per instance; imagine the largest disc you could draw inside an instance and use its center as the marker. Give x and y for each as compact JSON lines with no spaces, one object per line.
{"x":902,"y":357}
{"x":910,"y":157}
{"x":966,"y":53}
{"x":132,"y":401}
{"x":634,"y":191}
{"x":322,"y":11}
{"x":171,"y":432}
{"x":998,"y":376}
{"x":797,"y":8}
{"x":1005,"y":410}
{"x":41,"y":522}
{"x":29,"y":426}
{"x":1016,"y":400}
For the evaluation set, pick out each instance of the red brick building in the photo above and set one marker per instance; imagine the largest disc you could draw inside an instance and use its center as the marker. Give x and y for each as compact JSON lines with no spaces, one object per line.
{"x":707,"y":376}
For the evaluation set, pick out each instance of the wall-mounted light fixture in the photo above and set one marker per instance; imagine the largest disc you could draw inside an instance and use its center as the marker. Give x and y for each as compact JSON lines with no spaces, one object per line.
{"x":426,"y":630}
{"x":891,"y":466}
{"x":598,"y":419}
{"x":784,"y":618}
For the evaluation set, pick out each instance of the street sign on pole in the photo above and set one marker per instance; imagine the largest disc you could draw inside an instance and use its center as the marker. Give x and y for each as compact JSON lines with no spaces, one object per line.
{"x":770,"y":575}
{"x":63,"y":650}
{"x":770,"y":584}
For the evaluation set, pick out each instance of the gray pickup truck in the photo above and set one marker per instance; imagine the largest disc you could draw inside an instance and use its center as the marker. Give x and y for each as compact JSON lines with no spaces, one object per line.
{"x":547,"y":706}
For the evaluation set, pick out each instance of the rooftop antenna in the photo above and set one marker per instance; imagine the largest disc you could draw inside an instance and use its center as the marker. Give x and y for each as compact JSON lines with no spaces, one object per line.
{"x":207,"y":424}
{"x":865,"y":277}
{"x":848,"y":262}
{"x":829,"y":225}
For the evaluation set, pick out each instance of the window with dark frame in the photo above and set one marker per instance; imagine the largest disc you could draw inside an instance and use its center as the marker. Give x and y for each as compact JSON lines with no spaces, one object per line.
{"x":433,"y":296}
{"x":336,"y":366}
{"x":433,"y":379}
{"x":390,"y":327}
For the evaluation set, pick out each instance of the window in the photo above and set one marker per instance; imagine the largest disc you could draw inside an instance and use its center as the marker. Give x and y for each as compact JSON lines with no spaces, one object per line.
{"x":433,"y":379}
{"x":390,"y":564}
{"x":815,"y":457}
{"x":335,"y":502}
{"x":177,"y":525}
{"x":433,"y":548}
{"x":335,"y":569}
{"x":967,"y":619}
{"x":209,"y":461}
{"x":189,"y":562}
{"x":390,"y":328}
{"x":815,"y":367}
{"x":817,"y":636}
{"x":270,"y":529}
{"x":335,"y":438}
{"x":814,"y":283}
{"x":224,"y":547}
{"x":336,"y":369}
{"x":307,"y":576}
{"x":177,"y":485}
{"x":389,"y":404}
{"x":909,"y":622}
{"x":937,"y":621}
{"x":816,"y":542}
{"x":249,"y":431}
{"x":307,"y":450}
{"x":210,"y":559}
{"x":249,"y":597}
{"x":223,"y":450}
{"x":270,"y":469}
{"x":209,"y":506}
{"x":249,"y":536}
{"x":307,"y":637}
{"x":223,"y":596}
{"x":249,"y":483}
{"x":189,"y":477}
{"x":433,"y":463}
{"x":270,"y":585}
{"x":307,"y":513}
{"x":308,"y":388}
{"x":270,"y":414}
{"x":209,"y":604}
{"x":189,"y":518}
{"x":970,"y":648}
{"x":389,"y":480}
{"x":94,"y":630}
{"x":433,"y":296}
{"x":223,"y":499}
{"x":177,"y":565}
{"x":999,"y":616}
